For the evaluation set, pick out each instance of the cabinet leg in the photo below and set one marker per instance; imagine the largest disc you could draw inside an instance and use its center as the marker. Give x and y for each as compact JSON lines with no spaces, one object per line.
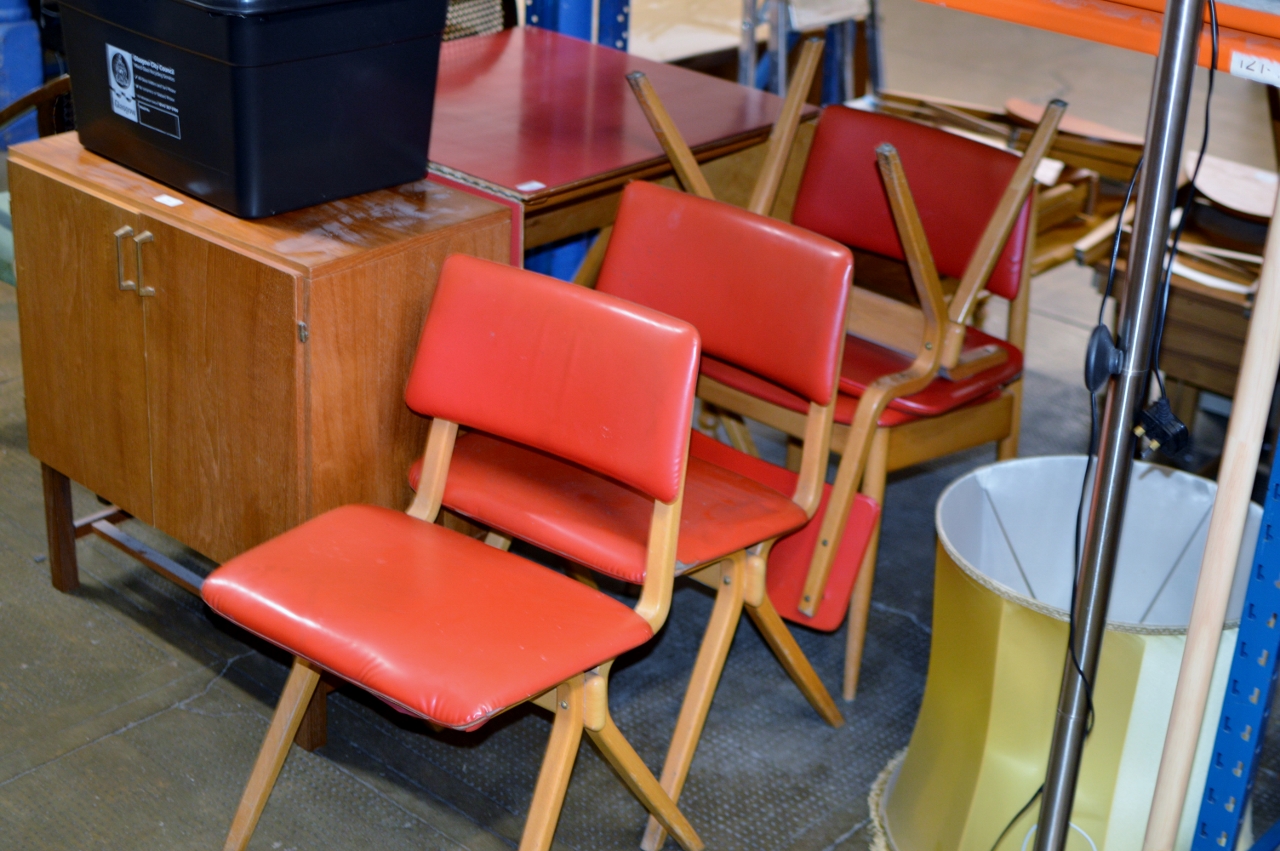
{"x":61,"y":528}
{"x":313,"y":732}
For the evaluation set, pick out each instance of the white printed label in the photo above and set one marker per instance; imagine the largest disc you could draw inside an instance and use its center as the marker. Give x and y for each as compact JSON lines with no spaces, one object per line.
{"x":143,"y":91}
{"x":1255,"y":68}
{"x":169,"y":200}
{"x":124,"y":99}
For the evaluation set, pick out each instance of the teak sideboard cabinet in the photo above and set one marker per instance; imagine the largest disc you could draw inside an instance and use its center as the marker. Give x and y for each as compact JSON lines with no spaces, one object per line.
{"x":220,"y":379}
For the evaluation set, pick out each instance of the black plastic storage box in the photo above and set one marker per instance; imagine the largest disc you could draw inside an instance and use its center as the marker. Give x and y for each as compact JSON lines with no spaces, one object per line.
{"x":258,"y":106}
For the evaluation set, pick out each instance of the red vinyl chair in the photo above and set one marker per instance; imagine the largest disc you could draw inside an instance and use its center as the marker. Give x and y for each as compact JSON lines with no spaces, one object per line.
{"x":732,"y":274}
{"x":770,"y":299}
{"x":583,"y":385}
{"x":976,"y":209}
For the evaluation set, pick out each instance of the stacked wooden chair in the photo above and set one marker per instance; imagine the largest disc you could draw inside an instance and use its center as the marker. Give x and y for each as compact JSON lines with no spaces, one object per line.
{"x":912,"y":388}
{"x":584,"y":386}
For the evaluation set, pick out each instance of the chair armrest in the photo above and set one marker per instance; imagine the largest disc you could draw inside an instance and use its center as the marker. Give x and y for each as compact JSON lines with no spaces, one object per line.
{"x":36,"y":98}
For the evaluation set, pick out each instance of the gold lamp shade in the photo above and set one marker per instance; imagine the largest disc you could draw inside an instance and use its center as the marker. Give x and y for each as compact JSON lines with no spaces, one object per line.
{"x":1006,"y":542}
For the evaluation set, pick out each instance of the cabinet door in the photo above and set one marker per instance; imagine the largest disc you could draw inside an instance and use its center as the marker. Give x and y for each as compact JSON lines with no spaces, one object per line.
{"x":82,"y":343}
{"x":223,"y":376}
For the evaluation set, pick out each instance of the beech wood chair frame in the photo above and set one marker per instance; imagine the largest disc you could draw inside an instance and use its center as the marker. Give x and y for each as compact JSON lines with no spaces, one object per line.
{"x":869,"y":452}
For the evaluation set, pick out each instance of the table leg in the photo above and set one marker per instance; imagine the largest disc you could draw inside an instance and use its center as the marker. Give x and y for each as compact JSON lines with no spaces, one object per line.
{"x":313,"y":732}
{"x":61,"y":528}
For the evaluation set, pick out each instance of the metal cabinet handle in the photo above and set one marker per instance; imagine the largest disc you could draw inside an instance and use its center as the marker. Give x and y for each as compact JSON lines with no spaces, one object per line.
{"x":145,"y":236}
{"x":120,"y":235}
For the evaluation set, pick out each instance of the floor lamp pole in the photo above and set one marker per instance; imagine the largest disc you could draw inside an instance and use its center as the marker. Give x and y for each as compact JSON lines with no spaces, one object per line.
{"x":1166,"y":122}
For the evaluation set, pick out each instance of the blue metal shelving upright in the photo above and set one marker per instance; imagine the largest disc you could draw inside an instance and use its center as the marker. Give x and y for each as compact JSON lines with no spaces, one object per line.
{"x":1250,"y":689}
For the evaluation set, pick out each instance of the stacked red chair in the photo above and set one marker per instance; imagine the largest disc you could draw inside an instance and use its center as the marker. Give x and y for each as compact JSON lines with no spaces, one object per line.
{"x":957,"y":185}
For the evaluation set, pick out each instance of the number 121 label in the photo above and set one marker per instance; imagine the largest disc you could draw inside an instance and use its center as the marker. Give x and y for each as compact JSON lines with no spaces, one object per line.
{"x":1255,"y":68}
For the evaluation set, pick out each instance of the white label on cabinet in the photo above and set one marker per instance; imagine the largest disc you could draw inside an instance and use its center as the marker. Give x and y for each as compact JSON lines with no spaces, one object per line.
{"x":169,"y":200}
{"x":143,"y":91}
{"x":1255,"y":68}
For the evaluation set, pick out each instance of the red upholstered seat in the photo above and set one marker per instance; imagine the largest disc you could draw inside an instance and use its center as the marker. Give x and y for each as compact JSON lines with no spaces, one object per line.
{"x":431,"y":621}
{"x":865,"y":361}
{"x":600,"y":523}
{"x":789,"y":559}
{"x":740,"y":379}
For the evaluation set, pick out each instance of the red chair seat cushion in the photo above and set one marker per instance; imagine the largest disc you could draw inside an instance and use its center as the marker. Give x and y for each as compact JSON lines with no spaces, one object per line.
{"x":431,"y":621}
{"x":789,"y":559}
{"x":846,"y":405}
{"x":754,"y":385}
{"x":865,"y":361}
{"x":598,"y":522}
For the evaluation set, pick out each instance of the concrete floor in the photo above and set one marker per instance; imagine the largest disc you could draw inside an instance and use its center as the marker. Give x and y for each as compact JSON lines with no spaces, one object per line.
{"x":128,"y":719}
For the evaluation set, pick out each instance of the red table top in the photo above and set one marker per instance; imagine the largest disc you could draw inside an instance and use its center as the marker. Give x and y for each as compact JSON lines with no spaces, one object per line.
{"x":535,"y":112}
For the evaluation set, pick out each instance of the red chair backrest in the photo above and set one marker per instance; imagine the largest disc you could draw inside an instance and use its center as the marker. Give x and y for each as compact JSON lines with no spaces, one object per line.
{"x":590,"y":378}
{"x":956,"y":183}
{"x":764,"y":295}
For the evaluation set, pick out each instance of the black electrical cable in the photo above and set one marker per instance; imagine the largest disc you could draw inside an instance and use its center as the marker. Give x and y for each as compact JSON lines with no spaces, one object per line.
{"x":1008,"y":827}
{"x":1158,"y":337}
{"x":1115,"y":243}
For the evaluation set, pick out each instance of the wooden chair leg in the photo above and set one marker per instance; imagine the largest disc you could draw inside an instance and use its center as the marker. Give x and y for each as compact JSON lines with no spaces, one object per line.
{"x":583,"y":575}
{"x":497,"y":540}
{"x":708,"y":419}
{"x":284,"y":726}
{"x":873,"y":485}
{"x":313,"y":731}
{"x":60,"y":526}
{"x":1008,"y":448}
{"x":795,"y":453}
{"x":644,"y":785}
{"x":859,"y":610}
{"x":589,"y":271}
{"x":702,"y":687}
{"x":557,"y":766}
{"x":739,"y":435}
{"x":797,"y":665}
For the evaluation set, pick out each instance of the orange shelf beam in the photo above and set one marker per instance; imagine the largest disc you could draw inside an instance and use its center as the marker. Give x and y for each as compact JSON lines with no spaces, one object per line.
{"x":1248,"y":41}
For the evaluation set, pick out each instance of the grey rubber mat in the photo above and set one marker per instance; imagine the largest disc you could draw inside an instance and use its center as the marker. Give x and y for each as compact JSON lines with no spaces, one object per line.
{"x":129,"y":716}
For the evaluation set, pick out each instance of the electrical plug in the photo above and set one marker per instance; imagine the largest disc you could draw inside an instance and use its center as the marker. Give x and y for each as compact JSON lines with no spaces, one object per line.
{"x":1162,"y":429}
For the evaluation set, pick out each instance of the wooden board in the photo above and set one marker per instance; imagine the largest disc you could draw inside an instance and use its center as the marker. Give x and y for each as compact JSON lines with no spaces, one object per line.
{"x":1234,"y":185}
{"x":1029,"y":115}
